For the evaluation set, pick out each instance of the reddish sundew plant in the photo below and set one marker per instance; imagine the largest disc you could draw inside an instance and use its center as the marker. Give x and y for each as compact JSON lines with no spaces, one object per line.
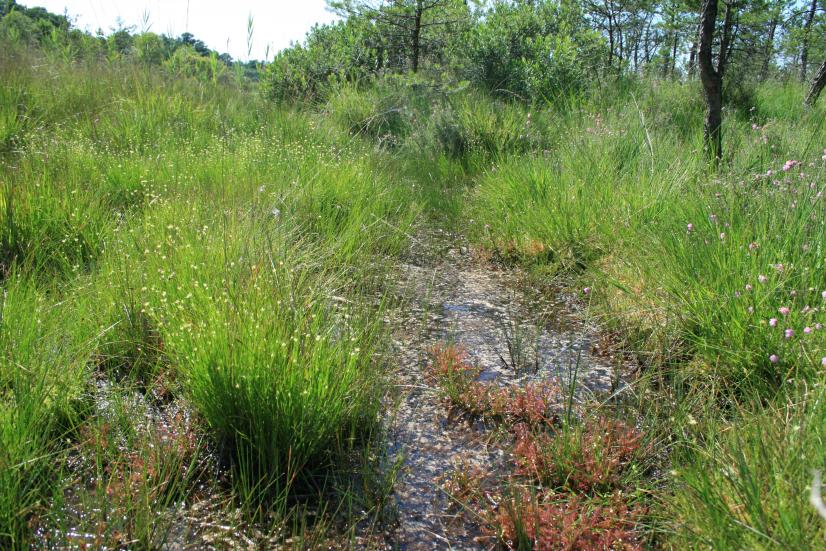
{"x":154,"y":467}
{"x":555,"y":521}
{"x":465,"y":483}
{"x":591,"y":457}
{"x":582,"y":463}
{"x":533,"y":404}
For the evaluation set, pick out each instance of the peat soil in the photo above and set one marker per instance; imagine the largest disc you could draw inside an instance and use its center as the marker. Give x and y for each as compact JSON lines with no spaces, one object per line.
{"x":450,"y":295}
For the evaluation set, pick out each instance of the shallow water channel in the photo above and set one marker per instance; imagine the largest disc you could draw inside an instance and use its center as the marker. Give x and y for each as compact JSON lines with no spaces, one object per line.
{"x":448,"y":296}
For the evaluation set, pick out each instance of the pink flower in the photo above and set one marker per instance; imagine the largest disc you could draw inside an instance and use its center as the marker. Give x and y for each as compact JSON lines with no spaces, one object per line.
{"x":762,"y":279}
{"x":823,"y":294}
{"x":784,"y":310}
{"x":823,"y":361}
{"x":789,"y":333}
{"x":779,"y":267}
{"x":818,"y":326}
{"x":774,"y":359}
{"x":722,"y":235}
{"x":749,"y":287}
{"x":773,"y":322}
{"x":690,"y":227}
{"x":807,"y":330}
{"x":769,"y":173}
{"x":753,"y":246}
{"x":587,"y":290}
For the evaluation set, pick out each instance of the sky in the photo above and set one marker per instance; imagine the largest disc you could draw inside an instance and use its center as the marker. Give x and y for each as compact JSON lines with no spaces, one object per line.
{"x":222,"y":25}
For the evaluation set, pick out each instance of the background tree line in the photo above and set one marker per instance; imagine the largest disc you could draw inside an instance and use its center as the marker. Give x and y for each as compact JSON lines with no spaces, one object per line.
{"x":528,"y":50}
{"x":184,"y":54}
{"x":537,"y":49}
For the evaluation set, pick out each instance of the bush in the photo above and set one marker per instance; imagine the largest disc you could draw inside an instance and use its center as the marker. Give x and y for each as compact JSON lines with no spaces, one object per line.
{"x":332,"y":54}
{"x":533,"y":51}
{"x":471,"y":125}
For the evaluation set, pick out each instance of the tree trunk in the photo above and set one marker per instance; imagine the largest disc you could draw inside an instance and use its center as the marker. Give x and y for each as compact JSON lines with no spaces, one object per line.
{"x":674,"y":53}
{"x":417,"y":35}
{"x":610,"y":41}
{"x":727,"y":40}
{"x":692,"y":56}
{"x":817,"y":85}
{"x":621,"y":54}
{"x":647,"y":44}
{"x":804,"y":46}
{"x":712,"y":83}
{"x":764,"y":70}
{"x":692,"y":60}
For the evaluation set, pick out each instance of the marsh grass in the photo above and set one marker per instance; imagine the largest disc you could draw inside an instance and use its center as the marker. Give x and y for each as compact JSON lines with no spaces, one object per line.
{"x":691,"y":269}
{"x":42,"y":378}
{"x":188,"y":242}
{"x":184,"y":244}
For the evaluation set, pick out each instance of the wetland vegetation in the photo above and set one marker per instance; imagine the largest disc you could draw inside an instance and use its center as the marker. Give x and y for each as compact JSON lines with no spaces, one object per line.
{"x":445,"y":275}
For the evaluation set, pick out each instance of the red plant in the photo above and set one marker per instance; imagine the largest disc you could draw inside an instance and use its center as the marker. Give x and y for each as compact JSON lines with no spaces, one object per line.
{"x":465,"y":483}
{"x":585,"y":458}
{"x":450,"y":362}
{"x":554,"y":521}
{"x":534,"y":404}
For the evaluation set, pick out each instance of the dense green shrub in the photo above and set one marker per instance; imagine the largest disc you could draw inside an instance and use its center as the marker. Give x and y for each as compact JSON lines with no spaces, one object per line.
{"x":333,"y":54}
{"x":532,"y":51}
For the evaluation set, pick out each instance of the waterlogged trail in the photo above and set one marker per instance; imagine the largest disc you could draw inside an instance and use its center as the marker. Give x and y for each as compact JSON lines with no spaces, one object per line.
{"x":451,"y":297}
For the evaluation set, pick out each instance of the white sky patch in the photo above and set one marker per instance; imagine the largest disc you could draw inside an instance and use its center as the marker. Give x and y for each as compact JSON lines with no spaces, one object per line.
{"x":221,"y":25}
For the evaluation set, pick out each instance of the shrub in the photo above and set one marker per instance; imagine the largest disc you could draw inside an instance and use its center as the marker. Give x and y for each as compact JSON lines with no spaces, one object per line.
{"x":534,"y":51}
{"x":342,"y":52}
